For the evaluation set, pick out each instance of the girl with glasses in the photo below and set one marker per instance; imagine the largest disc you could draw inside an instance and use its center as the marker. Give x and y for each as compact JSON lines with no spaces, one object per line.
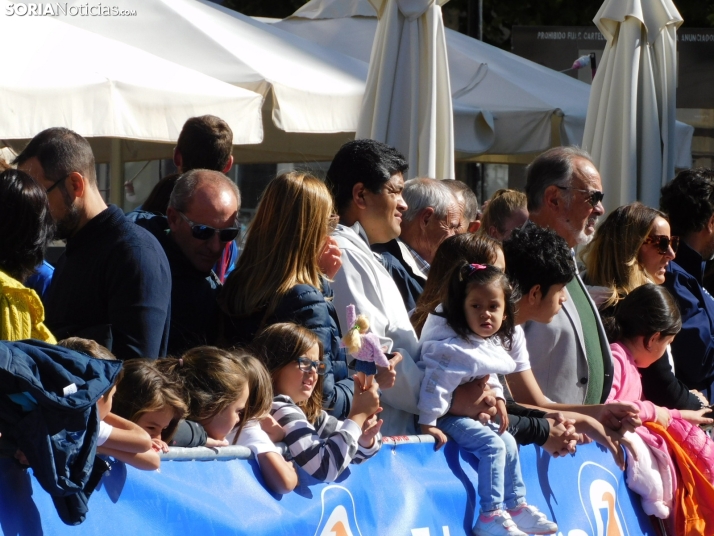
{"x":282,"y":276}
{"x":320,"y":444}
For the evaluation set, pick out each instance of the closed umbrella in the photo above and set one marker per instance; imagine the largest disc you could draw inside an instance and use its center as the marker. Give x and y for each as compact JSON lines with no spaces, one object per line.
{"x":630,"y":126}
{"x":407,"y":102}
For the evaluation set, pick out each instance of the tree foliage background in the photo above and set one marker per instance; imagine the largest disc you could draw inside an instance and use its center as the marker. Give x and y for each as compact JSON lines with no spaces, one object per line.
{"x":501,"y":15}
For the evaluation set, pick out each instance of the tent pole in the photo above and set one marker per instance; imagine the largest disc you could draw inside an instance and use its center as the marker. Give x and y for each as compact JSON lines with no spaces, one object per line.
{"x":116,"y":175}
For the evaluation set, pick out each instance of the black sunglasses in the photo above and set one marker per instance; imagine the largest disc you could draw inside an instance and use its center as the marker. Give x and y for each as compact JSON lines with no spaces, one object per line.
{"x":306,"y":365}
{"x":204,"y":232}
{"x":663,"y":243}
{"x":594,"y":196}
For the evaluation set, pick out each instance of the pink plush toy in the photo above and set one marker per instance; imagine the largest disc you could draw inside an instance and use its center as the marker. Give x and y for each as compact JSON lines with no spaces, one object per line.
{"x":363,"y":346}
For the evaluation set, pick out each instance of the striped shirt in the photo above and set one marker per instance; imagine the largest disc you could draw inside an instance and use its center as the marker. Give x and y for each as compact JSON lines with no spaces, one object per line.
{"x":325,"y":449}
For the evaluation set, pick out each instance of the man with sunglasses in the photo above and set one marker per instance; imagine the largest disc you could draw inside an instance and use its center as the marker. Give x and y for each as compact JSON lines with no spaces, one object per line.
{"x":689,"y":203}
{"x":202,"y":217}
{"x":570,"y":356}
{"x":112,"y":283}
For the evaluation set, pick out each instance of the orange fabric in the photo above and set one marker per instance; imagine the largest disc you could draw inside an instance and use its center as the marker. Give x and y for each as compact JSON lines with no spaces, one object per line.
{"x":694,"y":500}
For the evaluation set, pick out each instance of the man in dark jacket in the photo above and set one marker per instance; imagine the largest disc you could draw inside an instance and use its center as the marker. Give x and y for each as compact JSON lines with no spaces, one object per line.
{"x":689,"y":202}
{"x":112,"y":284}
{"x":200,"y":220}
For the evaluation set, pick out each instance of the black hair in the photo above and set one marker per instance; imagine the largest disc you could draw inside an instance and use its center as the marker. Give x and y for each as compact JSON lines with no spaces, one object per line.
{"x":205,"y":142}
{"x":537,"y":256}
{"x":647,"y":310}
{"x":461,"y":279}
{"x":60,"y":152}
{"x":25,"y":224}
{"x":688,"y":200}
{"x":367,"y":161}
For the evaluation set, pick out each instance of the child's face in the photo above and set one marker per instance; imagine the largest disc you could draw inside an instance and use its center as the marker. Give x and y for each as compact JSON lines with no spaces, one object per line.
{"x":550,"y":304}
{"x":295,"y":383}
{"x":155,"y":422}
{"x":220,"y":425}
{"x":485,"y":308}
{"x":104,"y":404}
{"x":650,"y":351}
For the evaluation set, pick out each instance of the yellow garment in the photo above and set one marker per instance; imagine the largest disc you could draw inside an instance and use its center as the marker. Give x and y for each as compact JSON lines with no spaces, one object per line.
{"x":21,"y":312}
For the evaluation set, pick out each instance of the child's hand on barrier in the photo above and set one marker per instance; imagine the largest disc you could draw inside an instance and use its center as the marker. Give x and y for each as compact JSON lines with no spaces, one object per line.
{"x":370,"y":429}
{"x":271,"y":427}
{"x":210,"y":442}
{"x":158,"y":445}
{"x":696,"y":417}
{"x":434,"y":432}
{"x":563,"y":437}
{"x":502,"y":415}
{"x":386,"y":376}
{"x":365,"y":402}
{"x":619,"y":416}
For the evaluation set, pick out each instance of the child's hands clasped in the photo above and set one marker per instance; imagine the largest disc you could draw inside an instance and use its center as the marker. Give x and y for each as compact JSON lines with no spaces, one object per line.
{"x":663,"y":416}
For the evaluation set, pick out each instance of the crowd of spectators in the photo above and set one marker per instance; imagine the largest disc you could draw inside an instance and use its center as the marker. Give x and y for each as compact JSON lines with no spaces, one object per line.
{"x":494,"y":332}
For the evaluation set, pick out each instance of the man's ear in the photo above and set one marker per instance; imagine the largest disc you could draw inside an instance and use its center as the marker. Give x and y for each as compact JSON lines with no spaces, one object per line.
{"x":76,"y":184}
{"x":173,"y":218}
{"x":534,"y":295}
{"x":474,"y":226}
{"x":710,"y":224}
{"x":226,"y":168}
{"x":178,"y":159}
{"x":552,"y":197}
{"x":425,"y":215}
{"x":358,"y":191}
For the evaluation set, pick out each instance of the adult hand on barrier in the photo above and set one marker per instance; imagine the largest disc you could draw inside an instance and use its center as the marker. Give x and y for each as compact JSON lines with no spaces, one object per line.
{"x":386,"y":376}
{"x":696,"y":417}
{"x":434,"y":432}
{"x":472,"y":399}
{"x":331,"y":258}
{"x":622,"y":416}
{"x":271,"y":427}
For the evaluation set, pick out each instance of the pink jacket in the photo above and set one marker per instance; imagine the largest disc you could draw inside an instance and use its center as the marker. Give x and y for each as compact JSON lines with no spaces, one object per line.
{"x":655,"y":481}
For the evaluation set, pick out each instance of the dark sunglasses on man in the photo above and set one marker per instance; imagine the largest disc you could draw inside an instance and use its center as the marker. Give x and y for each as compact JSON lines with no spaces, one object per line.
{"x":663,"y":243}
{"x":594,"y":196}
{"x":205,"y":232}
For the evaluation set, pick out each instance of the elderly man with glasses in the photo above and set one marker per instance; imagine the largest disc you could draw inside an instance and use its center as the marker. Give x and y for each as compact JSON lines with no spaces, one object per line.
{"x":202,"y":217}
{"x":570,"y":356}
{"x":112,"y":283}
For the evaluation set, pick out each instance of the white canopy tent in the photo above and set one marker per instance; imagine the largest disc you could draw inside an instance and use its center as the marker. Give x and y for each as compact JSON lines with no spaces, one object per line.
{"x":107,"y":91}
{"x":631,"y":117}
{"x":503,"y":104}
{"x":313,"y":94}
{"x":407,"y":103}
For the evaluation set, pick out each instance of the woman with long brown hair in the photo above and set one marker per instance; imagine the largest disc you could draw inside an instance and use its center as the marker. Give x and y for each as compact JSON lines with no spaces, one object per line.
{"x":278,"y":277}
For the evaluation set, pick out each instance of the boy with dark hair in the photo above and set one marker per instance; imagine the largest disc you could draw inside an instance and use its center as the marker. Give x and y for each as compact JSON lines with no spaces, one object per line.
{"x":205,"y":142}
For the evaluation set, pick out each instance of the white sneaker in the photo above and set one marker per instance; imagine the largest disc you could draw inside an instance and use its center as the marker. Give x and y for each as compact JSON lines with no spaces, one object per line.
{"x":531,"y":520}
{"x":498,"y":524}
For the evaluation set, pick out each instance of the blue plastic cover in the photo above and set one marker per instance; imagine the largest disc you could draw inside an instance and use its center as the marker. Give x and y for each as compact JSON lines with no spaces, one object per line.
{"x":406,"y":489}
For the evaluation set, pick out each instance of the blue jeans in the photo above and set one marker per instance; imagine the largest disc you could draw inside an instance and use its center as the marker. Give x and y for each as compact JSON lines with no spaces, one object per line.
{"x":499,"y":470}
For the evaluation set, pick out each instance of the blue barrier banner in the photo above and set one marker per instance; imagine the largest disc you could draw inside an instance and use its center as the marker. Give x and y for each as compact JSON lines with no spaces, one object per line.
{"x":406,"y":489}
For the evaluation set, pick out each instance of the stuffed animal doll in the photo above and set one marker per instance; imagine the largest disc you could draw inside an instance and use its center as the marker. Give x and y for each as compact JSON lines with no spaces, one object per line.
{"x":363,"y":346}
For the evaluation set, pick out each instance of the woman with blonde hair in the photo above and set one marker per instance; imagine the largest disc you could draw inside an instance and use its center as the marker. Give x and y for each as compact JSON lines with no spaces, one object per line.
{"x":505,"y":211}
{"x":278,"y":277}
{"x":633,"y":247}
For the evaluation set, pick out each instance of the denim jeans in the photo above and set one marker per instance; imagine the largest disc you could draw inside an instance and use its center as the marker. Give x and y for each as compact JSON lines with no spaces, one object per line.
{"x":499,"y":469}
